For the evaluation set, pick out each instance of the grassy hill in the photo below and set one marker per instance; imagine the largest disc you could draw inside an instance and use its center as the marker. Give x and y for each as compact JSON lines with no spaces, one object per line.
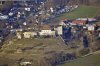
{"x":34,"y":49}
{"x":83,"y":11}
{"x":93,"y":60}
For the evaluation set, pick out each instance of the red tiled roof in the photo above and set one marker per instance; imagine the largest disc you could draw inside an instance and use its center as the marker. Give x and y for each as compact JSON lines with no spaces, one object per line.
{"x":80,"y":22}
{"x":45,"y":27}
{"x":98,"y":24}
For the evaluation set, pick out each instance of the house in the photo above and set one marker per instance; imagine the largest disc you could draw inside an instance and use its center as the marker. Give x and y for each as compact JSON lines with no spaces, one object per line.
{"x":18,"y":30}
{"x":99,"y":35}
{"x":46,"y":30}
{"x":29,"y":34}
{"x":19,"y":35}
{"x":62,"y":22}
{"x":91,"y":27}
{"x":3,"y":17}
{"x":1,"y":38}
{"x":85,"y":19}
{"x":98,"y":23}
{"x":52,"y":10}
{"x":25,"y":63}
{"x":27,"y":8}
{"x":79,"y":22}
{"x":59,"y":30}
{"x":73,"y":29}
{"x":2,"y":2}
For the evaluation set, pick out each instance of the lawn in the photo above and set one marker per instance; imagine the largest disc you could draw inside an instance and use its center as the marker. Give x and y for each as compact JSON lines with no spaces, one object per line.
{"x":93,"y":60}
{"x":82,"y":11}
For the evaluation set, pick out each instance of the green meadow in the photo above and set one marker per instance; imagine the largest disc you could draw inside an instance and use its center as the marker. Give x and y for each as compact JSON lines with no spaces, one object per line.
{"x":93,"y":60}
{"x":82,"y":11}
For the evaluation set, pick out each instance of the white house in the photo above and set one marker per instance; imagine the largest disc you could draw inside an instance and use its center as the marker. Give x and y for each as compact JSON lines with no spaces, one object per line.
{"x":25,"y":63}
{"x":91,"y":27}
{"x":51,"y":9}
{"x":20,"y":30}
{"x":10,"y":14}
{"x":24,"y":23}
{"x":59,"y":30}
{"x":18,"y":33}
{"x":27,"y":8}
{"x":3,"y":17}
{"x":47,"y":32}
{"x":99,"y":35}
{"x":29,"y":34}
{"x":1,"y":2}
{"x":85,"y":19}
{"x":19,"y":36}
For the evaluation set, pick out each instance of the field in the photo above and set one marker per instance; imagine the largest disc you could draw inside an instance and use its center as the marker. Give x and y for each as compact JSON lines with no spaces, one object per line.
{"x":83,"y":11}
{"x":93,"y":60}
{"x":29,"y":49}
{"x":34,"y":42}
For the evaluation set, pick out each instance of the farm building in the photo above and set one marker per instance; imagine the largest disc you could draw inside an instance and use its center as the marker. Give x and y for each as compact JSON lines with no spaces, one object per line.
{"x":29,"y":34}
{"x":46,"y":30}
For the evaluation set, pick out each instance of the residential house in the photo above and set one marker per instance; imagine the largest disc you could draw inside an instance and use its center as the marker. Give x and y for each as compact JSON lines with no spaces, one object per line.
{"x":98,"y":29}
{"x":19,"y":30}
{"x":99,"y":35}
{"x":29,"y":34}
{"x":19,"y":35}
{"x":46,"y":30}
{"x":85,"y":19}
{"x":62,"y":22}
{"x":59,"y":30}
{"x":98,"y":23}
{"x":1,"y":38}
{"x":1,"y":2}
{"x":27,"y":8}
{"x":91,"y":27}
{"x":73,"y":29}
